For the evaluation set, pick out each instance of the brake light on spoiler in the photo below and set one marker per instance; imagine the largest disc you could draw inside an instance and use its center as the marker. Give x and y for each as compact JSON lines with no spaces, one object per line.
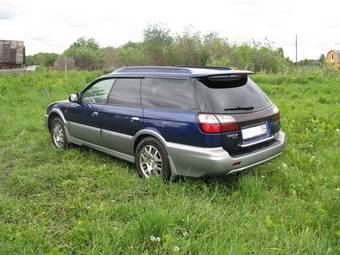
{"x":217,"y":123}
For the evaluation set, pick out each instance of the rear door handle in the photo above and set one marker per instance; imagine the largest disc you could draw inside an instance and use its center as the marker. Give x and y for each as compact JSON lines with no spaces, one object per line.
{"x":135,"y":118}
{"x":94,"y":114}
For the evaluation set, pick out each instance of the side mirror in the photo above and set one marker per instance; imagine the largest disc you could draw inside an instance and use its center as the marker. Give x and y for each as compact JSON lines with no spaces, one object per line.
{"x":73,"y":98}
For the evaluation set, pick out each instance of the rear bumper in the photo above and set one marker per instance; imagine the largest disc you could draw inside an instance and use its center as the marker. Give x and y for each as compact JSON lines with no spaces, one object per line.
{"x":196,"y":161}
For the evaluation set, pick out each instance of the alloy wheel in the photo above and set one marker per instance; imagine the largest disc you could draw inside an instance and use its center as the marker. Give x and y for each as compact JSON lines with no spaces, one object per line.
{"x":150,"y":161}
{"x":58,"y":135}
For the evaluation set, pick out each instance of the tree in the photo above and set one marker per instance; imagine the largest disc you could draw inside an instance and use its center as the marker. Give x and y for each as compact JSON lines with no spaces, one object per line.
{"x":42,"y":59}
{"x":280,"y":52}
{"x":322,"y":58}
{"x":216,"y":49}
{"x":131,"y":55}
{"x":110,"y":58}
{"x":86,"y":54}
{"x":59,"y":64}
{"x":157,"y":43}
{"x":159,"y":47}
{"x":188,"y":49}
{"x":82,"y":42}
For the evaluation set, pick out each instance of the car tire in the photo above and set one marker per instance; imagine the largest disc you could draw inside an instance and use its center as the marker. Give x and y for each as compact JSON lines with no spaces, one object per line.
{"x":58,"y":134}
{"x":152,"y":159}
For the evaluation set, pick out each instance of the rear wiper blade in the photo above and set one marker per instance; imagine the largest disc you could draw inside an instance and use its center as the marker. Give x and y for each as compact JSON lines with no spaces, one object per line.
{"x":242,"y":108}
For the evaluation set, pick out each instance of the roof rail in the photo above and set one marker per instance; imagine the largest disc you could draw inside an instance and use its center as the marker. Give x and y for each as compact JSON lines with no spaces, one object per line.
{"x":178,"y":71}
{"x":165,"y":69}
{"x":208,"y":67}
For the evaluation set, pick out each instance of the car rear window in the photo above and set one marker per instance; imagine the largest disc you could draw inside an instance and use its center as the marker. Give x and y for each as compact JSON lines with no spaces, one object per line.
{"x":230,"y":94}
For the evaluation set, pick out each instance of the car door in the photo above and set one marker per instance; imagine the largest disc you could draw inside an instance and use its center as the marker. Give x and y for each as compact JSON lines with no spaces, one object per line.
{"x":84,"y":116}
{"x":121,"y":118}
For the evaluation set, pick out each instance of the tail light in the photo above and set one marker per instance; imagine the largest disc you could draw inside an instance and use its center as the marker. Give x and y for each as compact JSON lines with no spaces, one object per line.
{"x":209,"y":123}
{"x":217,"y":123}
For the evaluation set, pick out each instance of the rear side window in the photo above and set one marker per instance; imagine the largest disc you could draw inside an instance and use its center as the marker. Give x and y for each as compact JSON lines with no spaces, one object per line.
{"x":125,"y":91}
{"x":230,"y":95}
{"x":168,"y":93}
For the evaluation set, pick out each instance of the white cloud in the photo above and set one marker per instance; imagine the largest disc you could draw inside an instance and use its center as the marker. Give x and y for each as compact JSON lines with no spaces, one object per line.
{"x":7,"y":10}
{"x":51,"y":26}
{"x":5,"y":15}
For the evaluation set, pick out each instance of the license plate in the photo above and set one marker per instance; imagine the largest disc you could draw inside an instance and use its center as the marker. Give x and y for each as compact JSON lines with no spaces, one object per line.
{"x":251,"y":132}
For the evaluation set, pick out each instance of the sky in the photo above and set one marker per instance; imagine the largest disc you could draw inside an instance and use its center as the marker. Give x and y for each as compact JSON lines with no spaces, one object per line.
{"x":51,"y":26}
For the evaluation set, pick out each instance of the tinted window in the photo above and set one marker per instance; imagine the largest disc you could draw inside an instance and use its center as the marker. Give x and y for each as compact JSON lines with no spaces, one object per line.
{"x":125,"y":92}
{"x":219,"y":95}
{"x":98,"y":92}
{"x":168,"y":93}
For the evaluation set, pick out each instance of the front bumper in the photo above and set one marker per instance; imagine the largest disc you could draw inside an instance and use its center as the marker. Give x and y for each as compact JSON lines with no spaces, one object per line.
{"x":197,"y":161}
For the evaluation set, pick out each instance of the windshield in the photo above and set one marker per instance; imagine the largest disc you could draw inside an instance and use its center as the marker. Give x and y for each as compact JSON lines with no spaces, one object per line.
{"x":230,"y":95}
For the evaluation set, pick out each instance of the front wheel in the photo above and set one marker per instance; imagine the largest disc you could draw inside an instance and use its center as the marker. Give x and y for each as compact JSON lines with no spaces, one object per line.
{"x":152,"y":159}
{"x":58,"y":134}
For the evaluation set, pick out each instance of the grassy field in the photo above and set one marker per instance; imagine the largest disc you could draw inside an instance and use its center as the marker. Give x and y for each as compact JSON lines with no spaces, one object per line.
{"x":84,"y":202}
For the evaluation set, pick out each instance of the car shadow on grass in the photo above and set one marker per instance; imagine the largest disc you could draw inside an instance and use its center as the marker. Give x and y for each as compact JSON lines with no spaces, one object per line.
{"x":231,"y":180}
{"x":106,"y":157}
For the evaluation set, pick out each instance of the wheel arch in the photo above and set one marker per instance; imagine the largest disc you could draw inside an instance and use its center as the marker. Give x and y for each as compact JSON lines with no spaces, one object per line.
{"x":55,"y":112}
{"x":154,"y":134}
{"x":147,"y":133}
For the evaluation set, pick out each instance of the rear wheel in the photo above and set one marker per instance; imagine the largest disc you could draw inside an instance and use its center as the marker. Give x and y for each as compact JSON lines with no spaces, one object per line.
{"x":58,"y":134}
{"x":152,"y":159}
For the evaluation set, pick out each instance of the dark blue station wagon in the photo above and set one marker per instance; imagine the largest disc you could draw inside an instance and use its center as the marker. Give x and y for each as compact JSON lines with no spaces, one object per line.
{"x":172,"y":121}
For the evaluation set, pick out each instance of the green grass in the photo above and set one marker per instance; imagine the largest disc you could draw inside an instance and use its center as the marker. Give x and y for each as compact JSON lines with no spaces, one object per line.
{"x":81,"y":201}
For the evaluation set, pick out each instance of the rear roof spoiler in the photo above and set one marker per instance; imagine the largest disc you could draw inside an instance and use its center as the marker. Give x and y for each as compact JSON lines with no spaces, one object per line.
{"x":224,"y":73}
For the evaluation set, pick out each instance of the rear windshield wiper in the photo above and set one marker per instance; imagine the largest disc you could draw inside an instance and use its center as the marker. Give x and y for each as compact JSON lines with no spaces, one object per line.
{"x":242,"y":108}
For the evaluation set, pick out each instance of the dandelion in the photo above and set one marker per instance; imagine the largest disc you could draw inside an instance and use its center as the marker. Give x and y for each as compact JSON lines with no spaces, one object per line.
{"x":176,"y":249}
{"x":185,"y":233}
{"x":152,"y":238}
{"x":158,"y":239}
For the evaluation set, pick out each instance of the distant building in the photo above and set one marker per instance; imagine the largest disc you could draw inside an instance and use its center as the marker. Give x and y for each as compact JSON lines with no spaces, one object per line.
{"x":12,"y":54}
{"x":333,"y":57}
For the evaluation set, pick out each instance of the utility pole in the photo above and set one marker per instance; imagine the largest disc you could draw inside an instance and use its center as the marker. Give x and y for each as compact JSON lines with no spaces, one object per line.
{"x":65,"y":68}
{"x":296,"y":50}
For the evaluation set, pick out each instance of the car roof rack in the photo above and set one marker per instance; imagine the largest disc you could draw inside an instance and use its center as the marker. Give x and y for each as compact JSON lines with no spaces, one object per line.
{"x":207,"y":67}
{"x":142,"y":69}
{"x":177,"y":71}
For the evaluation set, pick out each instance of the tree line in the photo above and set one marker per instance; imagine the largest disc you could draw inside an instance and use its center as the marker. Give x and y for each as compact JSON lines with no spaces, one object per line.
{"x":160,"y":47}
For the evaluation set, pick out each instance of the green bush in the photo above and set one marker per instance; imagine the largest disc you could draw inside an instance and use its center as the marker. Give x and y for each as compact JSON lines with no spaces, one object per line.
{"x":160,"y":47}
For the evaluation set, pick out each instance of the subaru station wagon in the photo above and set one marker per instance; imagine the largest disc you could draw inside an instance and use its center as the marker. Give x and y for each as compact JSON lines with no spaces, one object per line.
{"x":172,"y":121}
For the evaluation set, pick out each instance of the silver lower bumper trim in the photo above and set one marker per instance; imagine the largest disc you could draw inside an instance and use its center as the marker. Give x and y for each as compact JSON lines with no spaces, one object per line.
{"x":197,"y":161}
{"x":252,"y":165}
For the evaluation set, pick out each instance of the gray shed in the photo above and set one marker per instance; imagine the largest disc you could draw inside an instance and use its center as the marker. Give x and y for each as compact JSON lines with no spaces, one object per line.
{"x":12,"y":54}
